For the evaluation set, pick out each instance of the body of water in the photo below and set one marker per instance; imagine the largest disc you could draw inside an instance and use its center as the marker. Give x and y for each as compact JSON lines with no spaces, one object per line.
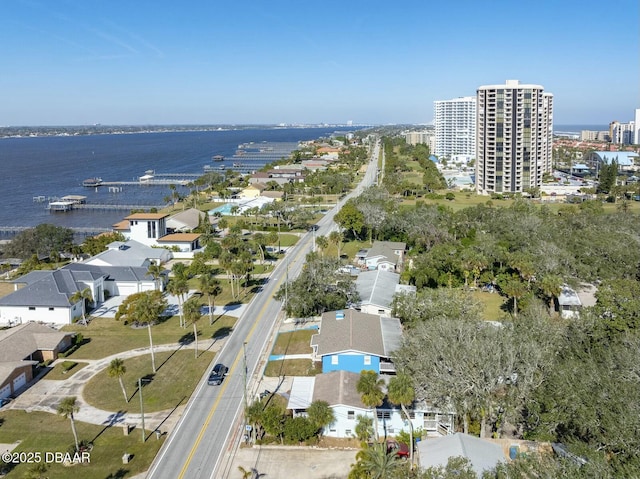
{"x":53,"y":167}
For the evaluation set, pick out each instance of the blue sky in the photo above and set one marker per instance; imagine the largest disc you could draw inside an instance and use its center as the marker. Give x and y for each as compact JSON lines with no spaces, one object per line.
{"x":70,"y":62}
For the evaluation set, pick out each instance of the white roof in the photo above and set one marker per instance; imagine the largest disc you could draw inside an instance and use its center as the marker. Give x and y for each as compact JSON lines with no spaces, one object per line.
{"x":301,"y":392}
{"x":483,"y":455}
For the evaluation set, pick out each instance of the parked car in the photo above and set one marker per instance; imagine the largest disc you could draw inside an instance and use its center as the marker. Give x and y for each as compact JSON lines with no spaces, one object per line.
{"x":402,"y":450}
{"x":217,"y":375}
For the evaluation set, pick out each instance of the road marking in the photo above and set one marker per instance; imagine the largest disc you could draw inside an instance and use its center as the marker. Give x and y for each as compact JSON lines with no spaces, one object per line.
{"x":235,"y":362}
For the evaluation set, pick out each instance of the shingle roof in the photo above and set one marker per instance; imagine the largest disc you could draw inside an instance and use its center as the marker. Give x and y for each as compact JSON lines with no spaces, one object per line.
{"x":179,"y":238}
{"x":21,"y":341}
{"x":356,"y":332}
{"x":338,"y":388}
{"x":44,"y":288}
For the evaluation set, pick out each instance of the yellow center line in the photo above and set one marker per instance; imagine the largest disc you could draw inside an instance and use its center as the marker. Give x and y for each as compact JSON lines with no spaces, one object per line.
{"x":222,"y":390}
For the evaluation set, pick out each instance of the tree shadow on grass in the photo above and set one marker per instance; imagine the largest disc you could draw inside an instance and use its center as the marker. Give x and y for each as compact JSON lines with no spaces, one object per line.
{"x":119,"y":474}
{"x":112,"y":420}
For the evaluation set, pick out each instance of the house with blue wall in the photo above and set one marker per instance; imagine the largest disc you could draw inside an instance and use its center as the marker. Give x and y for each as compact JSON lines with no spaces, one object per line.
{"x":350,"y":340}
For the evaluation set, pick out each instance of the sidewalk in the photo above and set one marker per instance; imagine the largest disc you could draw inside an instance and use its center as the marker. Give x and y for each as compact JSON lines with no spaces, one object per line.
{"x":45,"y":395}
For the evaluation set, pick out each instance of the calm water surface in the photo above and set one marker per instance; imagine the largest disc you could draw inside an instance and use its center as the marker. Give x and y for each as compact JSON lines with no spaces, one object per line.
{"x":56,"y":167}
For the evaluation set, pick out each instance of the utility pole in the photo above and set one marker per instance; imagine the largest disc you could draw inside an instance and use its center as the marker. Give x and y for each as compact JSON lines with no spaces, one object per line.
{"x":244,"y":360}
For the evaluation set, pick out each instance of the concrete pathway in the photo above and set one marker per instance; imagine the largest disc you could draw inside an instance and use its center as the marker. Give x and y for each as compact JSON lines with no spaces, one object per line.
{"x":45,"y":395}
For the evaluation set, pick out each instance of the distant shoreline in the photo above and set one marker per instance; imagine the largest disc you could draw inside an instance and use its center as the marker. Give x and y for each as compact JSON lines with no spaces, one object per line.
{"x":82,"y":130}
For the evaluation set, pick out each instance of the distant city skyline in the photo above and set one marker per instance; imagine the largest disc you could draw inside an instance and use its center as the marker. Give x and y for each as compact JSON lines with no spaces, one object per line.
{"x":78,"y":62}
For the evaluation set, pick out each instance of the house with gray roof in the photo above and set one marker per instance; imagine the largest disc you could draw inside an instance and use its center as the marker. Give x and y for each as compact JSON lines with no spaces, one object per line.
{"x":45,"y":296}
{"x":339,"y":390}
{"x":385,"y":255}
{"x":130,"y":253}
{"x":482,"y":454}
{"x":376,"y":290}
{"x":350,"y":340}
{"x":185,"y":221}
{"x":24,"y":346}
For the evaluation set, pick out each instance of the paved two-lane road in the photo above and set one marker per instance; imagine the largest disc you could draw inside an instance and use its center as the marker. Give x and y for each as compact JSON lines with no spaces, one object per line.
{"x":202,"y":444}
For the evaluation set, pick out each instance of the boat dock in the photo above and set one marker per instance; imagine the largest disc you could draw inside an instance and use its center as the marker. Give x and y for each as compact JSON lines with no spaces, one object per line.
{"x":64,"y":206}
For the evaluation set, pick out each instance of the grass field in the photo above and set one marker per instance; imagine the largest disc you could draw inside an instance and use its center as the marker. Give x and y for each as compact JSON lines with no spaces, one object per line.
{"x":292,"y":367}
{"x":48,"y":433}
{"x":178,"y":373}
{"x":493,"y":304}
{"x":294,"y":342}
{"x":106,"y":336}
{"x":57,"y":372}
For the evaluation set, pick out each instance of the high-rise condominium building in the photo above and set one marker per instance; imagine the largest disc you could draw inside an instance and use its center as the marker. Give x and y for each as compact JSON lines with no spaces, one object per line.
{"x":514,"y":137}
{"x":455,"y":122}
{"x":636,"y":127}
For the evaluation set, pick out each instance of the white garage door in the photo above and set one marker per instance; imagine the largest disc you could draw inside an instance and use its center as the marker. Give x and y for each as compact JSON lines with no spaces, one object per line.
{"x":125,"y":289}
{"x":5,"y":392}
{"x":19,"y":381}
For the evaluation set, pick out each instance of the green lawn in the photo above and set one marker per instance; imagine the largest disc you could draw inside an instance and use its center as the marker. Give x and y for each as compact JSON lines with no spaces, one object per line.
{"x":493,"y":303}
{"x":287,"y":239}
{"x":294,"y":342}
{"x":42,"y":432}
{"x":57,"y":372}
{"x":177,"y":375}
{"x":106,"y":336}
{"x":292,"y":367}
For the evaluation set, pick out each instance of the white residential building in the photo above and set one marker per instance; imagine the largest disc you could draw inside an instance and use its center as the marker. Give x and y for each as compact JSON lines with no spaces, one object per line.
{"x":455,"y":122}
{"x":636,"y":128}
{"x":514,"y":137}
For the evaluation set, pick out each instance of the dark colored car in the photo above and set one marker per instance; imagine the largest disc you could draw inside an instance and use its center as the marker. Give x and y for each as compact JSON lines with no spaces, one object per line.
{"x":218,"y":373}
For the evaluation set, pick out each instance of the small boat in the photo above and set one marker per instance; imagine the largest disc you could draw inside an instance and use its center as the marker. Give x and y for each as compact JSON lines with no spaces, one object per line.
{"x":237,"y":165}
{"x":217,"y":158}
{"x":90,"y":182}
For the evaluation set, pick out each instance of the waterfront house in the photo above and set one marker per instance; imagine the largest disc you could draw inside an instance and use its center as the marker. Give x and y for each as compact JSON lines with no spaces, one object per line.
{"x":150,"y":229}
{"x":350,"y":340}
{"x":185,"y":221}
{"x":22,"y":348}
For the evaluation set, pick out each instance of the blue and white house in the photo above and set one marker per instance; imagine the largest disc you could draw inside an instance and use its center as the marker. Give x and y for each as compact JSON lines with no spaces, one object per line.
{"x":338,"y":389}
{"x":349,"y":340}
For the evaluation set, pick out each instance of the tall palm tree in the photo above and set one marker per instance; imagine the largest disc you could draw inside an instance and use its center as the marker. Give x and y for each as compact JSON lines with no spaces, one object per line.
{"x":336,"y":237}
{"x":322,"y":242}
{"x":178,"y":287}
{"x":370,"y":388}
{"x":67,"y":408}
{"x":193,"y":314}
{"x":401,"y":391}
{"x":155,"y":270}
{"x":117,"y":369}
{"x":84,"y":296}
{"x":210,"y":287}
{"x":148,"y":307}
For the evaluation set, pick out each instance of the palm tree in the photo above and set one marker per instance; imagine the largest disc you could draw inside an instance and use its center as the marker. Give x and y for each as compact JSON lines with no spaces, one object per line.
{"x":551,"y":287}
{"x":251,"y":473}
{"x":377,"y":463}
{"x":322,"y":242}
{"x":370,"y":388}
{"x":336,"y":237}
{"x":193,"y":314}
{"x":84,"y":296}
{"x":67,"y":407}
{"x":210,"y":286}
{"x":514,"y":288}
{"x":401,"y":391}
{"x":155,"y":270}
{"x":178,"y":287}
{"x":117,"y":369}
{"x":321,"y":414}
